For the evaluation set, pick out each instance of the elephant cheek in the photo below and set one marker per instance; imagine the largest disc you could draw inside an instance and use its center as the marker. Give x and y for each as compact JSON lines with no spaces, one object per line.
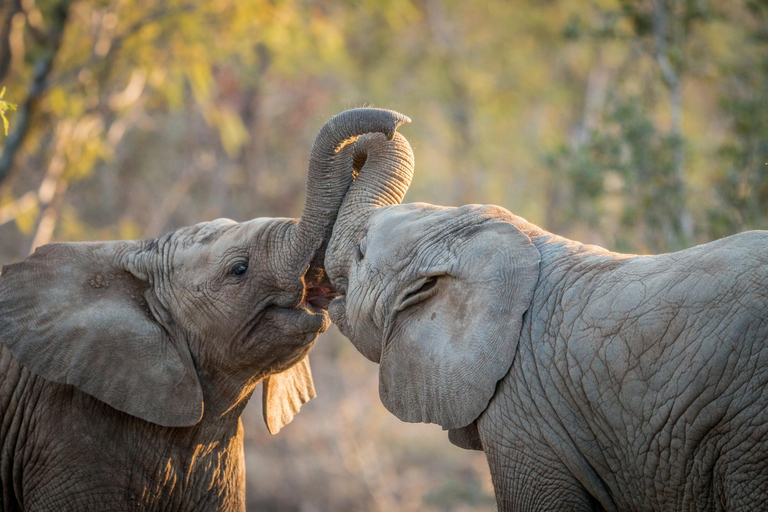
{"x":369,"y":346}
{"x":367,"y":341}
{"x":338,"y":313}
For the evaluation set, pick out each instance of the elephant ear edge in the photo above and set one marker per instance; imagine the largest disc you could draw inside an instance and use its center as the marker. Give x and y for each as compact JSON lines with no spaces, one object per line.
{"x":284,"y":393}
{"x":446,"y":354}
{"x":78,"y":314}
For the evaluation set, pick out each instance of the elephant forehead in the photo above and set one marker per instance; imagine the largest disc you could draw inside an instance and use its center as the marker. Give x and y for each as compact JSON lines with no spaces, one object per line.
{"x":251,"y":231}
{"x":202,"y":233}
{"x":212,"y":242}
{"x":396,"y":235}
{"x":226,"y":231}
{"x":402,"y":229}
{"x":404,"y":224}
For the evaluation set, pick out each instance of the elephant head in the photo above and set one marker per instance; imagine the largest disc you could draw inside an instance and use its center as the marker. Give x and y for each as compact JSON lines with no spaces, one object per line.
{"x":158,"y":328}
{"x":435,"y":295}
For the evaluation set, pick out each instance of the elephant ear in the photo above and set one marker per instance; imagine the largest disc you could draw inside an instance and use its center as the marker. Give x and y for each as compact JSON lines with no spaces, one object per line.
{"x":284,"y":393}
{"x":80,"y":314}
{"x":443,"y":356}
{"x":466,"y":437}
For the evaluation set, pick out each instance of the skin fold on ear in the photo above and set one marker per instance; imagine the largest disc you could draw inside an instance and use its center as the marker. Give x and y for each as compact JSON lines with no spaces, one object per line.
{"x":74,"y":313}
{"x":284,"y":393}
{"x":442,"y":357}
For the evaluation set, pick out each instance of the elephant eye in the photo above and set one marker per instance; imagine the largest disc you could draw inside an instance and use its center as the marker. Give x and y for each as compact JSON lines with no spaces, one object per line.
{"x":239,"y":268}
{"x":422,"y":291}
{"x":428,"y":284}
{"x":360,"y":249}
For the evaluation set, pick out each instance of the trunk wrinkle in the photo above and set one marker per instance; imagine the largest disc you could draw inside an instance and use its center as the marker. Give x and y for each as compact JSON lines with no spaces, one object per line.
{"x":329,"y":178}
{"x":386,"y":173}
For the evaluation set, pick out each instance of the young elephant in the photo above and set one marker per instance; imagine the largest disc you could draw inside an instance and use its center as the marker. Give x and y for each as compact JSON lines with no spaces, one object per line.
{"x":592,"y":380}
{"x":126,"y":365}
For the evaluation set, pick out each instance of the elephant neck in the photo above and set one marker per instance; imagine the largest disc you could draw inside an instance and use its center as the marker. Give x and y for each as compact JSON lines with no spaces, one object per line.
{"x":225,"y":396}
{"x":565,"y":261}
{"x":113,"y":455}
{"x":557,"y":349}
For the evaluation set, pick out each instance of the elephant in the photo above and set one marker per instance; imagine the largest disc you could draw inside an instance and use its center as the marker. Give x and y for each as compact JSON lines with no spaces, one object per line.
{"x":592,"y":380}
{"x":126,"y":365}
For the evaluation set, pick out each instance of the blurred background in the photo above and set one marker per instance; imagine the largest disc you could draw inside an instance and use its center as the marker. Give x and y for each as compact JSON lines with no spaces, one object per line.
{"x":640,"y":125}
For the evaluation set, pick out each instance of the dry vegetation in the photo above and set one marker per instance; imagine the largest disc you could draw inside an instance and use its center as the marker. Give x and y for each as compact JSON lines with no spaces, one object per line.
{"x":346,"y":452}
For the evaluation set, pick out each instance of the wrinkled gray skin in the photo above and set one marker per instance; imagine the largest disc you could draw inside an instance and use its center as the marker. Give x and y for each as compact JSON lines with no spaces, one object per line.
{"x":592,"y":380}
{"x":125,"y":365}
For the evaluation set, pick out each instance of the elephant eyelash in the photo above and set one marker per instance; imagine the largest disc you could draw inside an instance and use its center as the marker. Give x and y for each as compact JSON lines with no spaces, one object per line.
{"x":239,"y":269}
{"x":427,"y":289}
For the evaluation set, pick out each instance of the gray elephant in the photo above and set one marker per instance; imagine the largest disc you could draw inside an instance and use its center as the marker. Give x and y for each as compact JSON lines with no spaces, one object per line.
{"x":126,"y":365}
{"x":592,"y":380}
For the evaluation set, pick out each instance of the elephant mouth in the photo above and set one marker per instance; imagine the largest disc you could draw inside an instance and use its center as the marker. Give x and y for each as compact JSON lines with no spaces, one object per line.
{"x":318,"y":298}
{"x":318,"y":291}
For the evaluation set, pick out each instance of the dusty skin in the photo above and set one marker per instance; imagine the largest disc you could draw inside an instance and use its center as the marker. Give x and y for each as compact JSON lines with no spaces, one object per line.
{"x":125,"y":365}
{"x":592,"y":380}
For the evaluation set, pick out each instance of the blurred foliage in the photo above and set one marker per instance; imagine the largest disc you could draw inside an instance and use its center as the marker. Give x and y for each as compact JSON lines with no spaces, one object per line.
{"x":5,"y":107}
{"x":640,"y":178}
{"x":639,"y":125}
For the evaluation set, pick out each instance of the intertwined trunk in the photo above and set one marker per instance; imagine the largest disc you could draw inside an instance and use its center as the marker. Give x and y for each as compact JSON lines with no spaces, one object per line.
{"x":330,"y":177}
{"x":385,"y":172}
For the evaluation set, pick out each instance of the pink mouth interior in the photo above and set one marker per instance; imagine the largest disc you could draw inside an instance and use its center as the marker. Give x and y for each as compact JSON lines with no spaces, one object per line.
{"x":318,"y":297}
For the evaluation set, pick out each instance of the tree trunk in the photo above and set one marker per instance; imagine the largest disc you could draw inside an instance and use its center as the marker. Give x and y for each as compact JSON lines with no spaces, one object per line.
{"x":37,"y":88}
{"x":671,"y":77}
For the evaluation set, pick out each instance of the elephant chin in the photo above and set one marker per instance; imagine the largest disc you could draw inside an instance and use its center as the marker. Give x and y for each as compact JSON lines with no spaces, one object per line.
{"x":338,"y":313}
{"x":369,"y":346}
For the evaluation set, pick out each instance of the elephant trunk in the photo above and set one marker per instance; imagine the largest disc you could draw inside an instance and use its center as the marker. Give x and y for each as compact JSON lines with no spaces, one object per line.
{"x":385,"y":172}
{"x":329,"y":179}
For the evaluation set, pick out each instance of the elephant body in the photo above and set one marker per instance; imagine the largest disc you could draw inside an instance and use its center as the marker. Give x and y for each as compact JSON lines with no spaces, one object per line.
{"x":640,"y":382}
{"x":125,"y":365}
{"x":593,"y":381}
{"x":64,"y":450}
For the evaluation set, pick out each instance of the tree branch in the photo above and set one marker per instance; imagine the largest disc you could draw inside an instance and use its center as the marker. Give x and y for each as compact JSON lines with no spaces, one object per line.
{"x":13,"y":8}
{"x":662,"y":11}
{"x":37,"y":88}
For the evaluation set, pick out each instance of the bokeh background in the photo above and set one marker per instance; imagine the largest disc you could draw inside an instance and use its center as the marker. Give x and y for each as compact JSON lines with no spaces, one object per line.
{"x":640,"y":125}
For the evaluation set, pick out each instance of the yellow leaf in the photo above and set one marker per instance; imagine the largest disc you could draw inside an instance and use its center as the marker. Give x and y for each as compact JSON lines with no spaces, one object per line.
{"x":26,"y":221}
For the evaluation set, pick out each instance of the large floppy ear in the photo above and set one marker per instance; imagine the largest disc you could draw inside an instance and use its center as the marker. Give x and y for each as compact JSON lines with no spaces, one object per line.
{"x":466,"y":437}
{"x":443,"y":356}
{"x":84,"y":314}
{"x":284,"y":393}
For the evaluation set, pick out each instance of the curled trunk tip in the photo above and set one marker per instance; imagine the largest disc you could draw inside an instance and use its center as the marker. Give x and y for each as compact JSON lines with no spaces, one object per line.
{"x":330,"y":176}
